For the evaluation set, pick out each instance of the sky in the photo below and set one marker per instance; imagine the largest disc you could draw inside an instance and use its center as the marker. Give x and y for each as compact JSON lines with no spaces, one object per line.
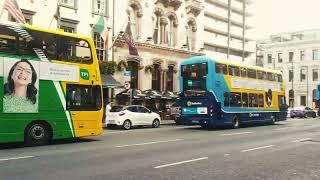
{"x":278,"y":16}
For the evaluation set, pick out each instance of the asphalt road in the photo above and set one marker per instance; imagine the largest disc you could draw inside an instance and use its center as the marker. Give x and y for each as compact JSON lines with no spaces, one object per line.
{"x":287,"y":150}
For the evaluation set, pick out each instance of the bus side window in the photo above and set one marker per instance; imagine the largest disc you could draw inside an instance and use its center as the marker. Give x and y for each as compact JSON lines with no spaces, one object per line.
{"x":226,"y":99}
{"x":221,"y":68}
{"x":244,"y":72}
{"x":235,"y":99}
{"x":261,"y":102}
{"x":234,"y":71}
{"x":252,"y":73}
{"x":244,"y":101}
{"x":271,"y":76}
{"x":253,"y":100}
{"x":262,"y":75}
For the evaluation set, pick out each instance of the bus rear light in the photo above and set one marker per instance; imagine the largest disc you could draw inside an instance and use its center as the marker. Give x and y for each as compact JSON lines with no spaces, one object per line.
{"x":121,"y":113}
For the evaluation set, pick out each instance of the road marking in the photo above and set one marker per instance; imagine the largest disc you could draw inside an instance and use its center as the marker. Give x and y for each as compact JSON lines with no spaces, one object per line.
{"x":23,"y":157}
{"x":147,"y":143}
{"x":235,"y":133}
{"x":181,"y":162}
{"x":301,"y":140}
{"x":283,"y":128}
{"x":257,"y":148}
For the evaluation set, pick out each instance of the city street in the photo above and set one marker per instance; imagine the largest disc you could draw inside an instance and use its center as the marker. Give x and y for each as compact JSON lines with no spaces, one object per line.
{"x":287,"y":150}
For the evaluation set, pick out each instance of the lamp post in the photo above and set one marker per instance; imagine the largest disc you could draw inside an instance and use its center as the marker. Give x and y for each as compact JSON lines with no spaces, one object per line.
{"x":292,"y":81}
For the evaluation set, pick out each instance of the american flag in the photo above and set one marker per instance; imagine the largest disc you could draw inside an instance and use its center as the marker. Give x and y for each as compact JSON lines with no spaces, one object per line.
{"x":13,"y":9}
{"x":129,"y":40}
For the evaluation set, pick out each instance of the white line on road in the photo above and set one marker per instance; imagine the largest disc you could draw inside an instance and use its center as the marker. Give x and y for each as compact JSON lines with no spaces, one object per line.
{"x":235,"y":133}
{"x":283,"y":128}
{"x":304,"y":139}
{"x":181,"y":162}
{"x":23,"y":157}
{"x":263,"y":147}
{"x":147,"y":143}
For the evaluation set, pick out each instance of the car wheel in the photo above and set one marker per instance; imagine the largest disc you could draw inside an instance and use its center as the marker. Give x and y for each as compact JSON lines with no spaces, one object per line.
{"x":156,"y":123}
{"x":314,"y":116}
{"x":38,"y":133}
{"x":126,"y":125}
{"x":235,"y":122}
{"x":273,"y":119}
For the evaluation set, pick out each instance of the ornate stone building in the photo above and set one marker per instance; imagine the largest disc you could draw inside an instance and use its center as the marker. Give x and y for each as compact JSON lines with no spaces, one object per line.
{"x":165,"y":32}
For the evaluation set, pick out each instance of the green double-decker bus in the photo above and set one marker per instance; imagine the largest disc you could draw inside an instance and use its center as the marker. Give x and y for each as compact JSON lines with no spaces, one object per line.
{"x":50,"y":85}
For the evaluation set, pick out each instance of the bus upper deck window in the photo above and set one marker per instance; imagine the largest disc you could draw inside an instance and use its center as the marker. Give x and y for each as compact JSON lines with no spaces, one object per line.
{"x":244,"y":72}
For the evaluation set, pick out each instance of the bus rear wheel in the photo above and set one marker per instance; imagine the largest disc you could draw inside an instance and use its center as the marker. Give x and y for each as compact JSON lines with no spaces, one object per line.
{"x":38,"y":133}
{"x":235,"y":122}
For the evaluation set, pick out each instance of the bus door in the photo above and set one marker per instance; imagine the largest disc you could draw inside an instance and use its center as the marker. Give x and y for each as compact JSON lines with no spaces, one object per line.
{"x":85,"y":105}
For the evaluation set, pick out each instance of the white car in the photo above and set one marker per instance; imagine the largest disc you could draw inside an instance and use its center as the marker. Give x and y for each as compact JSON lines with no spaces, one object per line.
{"x":134,"y":115}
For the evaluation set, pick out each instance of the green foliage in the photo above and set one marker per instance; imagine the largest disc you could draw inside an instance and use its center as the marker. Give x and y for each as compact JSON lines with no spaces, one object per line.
{"x":149,"y":69}
{"x":109,"y":67}
{"x":122,"y":65}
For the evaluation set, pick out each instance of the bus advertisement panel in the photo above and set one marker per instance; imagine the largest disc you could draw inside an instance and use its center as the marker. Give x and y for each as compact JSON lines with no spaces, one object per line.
{"x":50,"y":85}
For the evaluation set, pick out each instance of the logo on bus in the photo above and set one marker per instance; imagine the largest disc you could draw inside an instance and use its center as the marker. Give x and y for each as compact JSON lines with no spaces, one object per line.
{"x":84,"y":74}
{"x":189,"y":103}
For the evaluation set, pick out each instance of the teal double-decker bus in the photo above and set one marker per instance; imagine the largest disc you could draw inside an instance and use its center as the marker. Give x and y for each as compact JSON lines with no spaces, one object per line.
{"x":214,"y":93}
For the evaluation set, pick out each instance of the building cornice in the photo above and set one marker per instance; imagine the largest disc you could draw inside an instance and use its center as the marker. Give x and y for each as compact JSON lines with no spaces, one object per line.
{"x":122,"y":43}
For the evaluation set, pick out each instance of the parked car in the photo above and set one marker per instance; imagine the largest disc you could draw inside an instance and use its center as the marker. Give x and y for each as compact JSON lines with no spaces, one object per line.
{"x":134,"y":115}
{"x":302,"y":112}
{"x":175,"y":111}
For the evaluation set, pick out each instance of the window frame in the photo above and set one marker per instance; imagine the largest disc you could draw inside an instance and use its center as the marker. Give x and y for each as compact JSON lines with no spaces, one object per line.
{"x":98,"y":97}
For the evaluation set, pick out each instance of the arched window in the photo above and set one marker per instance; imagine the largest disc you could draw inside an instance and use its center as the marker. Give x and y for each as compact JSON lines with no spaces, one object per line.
{"x":170,"y":78}
{"x":134,"y":68}
{"x":156,"y":77}
{"x":135,"y":14}
{"x":134,"y":21}
{"x":172,"y":29}
{"x":191,"y":34}
{"x":158,"y":13}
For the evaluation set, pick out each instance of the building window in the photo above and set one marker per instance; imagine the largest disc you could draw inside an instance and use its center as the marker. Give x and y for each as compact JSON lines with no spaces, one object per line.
{"x":100,"y":7}
{"x":291,"y":56}
{"x":302,"y":55}
{"x":280,"y":57}
{"x":302,"y":75}
{"x":134,"y":68}
{"x":315,"y":54}
{"x":269,"y":58}
{"x":314,"y":95}
{"x":99,"y":44}
{"x":291,"y":75}
{"x":191,"y":34}
{"x":69,"y":25}
{"x":156,"y":33}
{"x":69,"y":3}
{"x":28,"y":16}
{"x":170,"y":78}
{"x":315,"y":74}
{"x":303,"y":100}
{"x":291,"y":98}
{"x":156,"y":77}
{"x":134,"y":22}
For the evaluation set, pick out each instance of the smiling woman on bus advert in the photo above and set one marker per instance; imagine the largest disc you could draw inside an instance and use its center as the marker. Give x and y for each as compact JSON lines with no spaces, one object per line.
{"x":20,"y":90}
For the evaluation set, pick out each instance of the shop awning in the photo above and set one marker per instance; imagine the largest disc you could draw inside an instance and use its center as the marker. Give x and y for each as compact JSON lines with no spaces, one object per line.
{"x":108,"y":81}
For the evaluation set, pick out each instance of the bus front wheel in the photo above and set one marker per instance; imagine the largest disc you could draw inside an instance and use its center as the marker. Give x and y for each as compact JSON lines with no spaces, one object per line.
{"x":38,"y":133}
{"x":235,"y":122}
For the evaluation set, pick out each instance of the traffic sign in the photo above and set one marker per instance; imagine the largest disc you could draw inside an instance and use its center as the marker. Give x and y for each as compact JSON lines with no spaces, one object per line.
{"x":127,"y":75}
{"x":127,"y":85}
